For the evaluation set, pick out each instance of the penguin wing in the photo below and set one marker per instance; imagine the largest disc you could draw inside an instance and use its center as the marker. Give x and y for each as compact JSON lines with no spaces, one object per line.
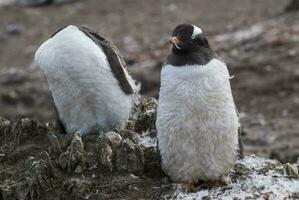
{"x":117,"y":63}
{"x":241,"y":153}
{"x":60,"y":124}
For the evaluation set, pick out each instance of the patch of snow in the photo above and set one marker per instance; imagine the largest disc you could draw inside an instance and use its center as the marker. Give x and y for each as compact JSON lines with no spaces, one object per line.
{"x":147,"y":141}
{"x":256,"y":163}
{"x":264,"y":180}
{"x":133,"y":176}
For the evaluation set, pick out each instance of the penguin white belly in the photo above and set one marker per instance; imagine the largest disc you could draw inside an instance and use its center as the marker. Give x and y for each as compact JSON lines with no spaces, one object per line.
{"x":86,"y":94}
{"x":196,"y":122}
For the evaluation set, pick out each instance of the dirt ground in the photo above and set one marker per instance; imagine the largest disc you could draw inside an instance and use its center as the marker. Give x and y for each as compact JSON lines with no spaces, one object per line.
{"x":266,"y":82}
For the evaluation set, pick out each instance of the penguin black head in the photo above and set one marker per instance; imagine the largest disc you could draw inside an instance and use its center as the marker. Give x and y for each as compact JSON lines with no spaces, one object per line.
{"x":188,"y":37}
{"x":190,"y":47}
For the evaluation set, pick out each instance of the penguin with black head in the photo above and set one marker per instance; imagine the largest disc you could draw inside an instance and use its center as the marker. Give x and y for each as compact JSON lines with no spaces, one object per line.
{"x":89,"y":84}
{"x":197,"y":122}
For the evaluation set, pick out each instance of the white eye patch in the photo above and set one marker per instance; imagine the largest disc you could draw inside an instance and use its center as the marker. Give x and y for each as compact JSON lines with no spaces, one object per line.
{"x":196,"y":31}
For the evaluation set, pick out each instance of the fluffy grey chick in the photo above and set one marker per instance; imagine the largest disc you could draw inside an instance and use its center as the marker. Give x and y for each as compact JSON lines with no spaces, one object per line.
{"x":197,"y":122}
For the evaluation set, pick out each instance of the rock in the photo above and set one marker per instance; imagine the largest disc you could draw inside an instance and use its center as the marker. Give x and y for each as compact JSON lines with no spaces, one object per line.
{"x":77,"y":188}
{"x":133,"y":154}
{"x":39,"y":176}
{"x":132,"y":135}
{"x":105,"y":156}
{"x":290,"y":170}
{"x":240,"y":171}
{"x":146,"y":118}
{"x":148,"y":143}
{"x":130,"y":157}
{"x":111,"y":138}
{"x":73,"y":156}
{"x":54,"y":148}
{"x":107,"y":145}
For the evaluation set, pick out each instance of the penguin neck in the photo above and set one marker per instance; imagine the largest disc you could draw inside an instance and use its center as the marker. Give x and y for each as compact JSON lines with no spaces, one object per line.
{"x":195,"y":56}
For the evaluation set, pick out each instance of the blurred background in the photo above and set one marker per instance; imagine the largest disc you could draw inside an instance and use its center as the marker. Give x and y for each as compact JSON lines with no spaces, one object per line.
{"x":257,"y":39}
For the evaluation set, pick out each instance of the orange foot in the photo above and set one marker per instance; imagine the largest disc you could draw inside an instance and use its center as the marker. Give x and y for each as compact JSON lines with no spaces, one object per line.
{"x":214,"y":183}
{"x":189,"y":186}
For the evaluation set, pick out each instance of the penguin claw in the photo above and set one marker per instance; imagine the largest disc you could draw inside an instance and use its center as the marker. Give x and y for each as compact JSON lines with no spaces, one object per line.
{"x":219,"y":183}
{"x":189,"y":186}
{"x":213,"y":184}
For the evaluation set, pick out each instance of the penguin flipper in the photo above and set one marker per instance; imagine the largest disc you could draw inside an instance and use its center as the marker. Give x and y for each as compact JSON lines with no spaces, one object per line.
{"x":117,"y":63}
{"x":241,"y":148}
{"x":59,"y":122}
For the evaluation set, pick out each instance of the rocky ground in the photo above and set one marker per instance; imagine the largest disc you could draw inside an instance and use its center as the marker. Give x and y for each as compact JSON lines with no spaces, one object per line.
{"x":38,"y":162}
{"x":257,"y":40}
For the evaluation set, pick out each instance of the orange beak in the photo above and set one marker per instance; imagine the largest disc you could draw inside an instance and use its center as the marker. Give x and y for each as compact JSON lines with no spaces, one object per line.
{"x":175,"y":41}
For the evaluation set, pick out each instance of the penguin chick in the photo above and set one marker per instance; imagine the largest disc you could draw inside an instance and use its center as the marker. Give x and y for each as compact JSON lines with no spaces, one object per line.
{"x":197,"y":122}
{"x":88,"y":81}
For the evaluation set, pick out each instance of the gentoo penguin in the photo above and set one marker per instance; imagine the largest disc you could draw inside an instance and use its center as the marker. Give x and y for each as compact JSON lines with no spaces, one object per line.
{"x":197,"y":122}
{"x":90,"y":87}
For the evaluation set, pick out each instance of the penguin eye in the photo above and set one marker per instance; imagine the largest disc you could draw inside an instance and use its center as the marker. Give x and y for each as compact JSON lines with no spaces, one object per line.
{"x":201,"y":41}
{"x":182,"y":38}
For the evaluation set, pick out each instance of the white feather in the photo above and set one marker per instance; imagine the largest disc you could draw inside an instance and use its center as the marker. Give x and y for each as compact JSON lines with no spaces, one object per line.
{"x":196,"y":31}
{"x":197,"y":123}
{"x":85,"y":92}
